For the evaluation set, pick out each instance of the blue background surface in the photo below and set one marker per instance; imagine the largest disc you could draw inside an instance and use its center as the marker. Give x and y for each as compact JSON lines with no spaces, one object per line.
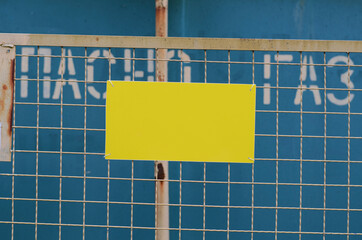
{"x":289,"y":19}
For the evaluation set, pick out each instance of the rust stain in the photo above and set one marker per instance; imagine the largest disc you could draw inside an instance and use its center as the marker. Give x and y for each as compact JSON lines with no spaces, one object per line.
{"x":160,"y":176}
{"x":2,"y":102}
{"x":5,"y":87}
{"x":161,"y":31}
{"x":161,"y":13}
{"x":161,"y":77}
{"x":11,"y":82}
{"x":160,"y":171}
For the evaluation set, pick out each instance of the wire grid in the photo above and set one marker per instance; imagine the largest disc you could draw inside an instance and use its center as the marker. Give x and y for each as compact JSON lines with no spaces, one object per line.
{"x":304,"y":184}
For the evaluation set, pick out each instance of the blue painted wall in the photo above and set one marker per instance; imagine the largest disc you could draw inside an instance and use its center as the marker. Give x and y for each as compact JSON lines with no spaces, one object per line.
{"x":286,"y":19}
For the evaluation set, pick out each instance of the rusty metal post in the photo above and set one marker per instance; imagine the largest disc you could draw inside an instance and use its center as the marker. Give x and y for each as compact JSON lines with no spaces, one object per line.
{"x":161,"y":168}
{"x":7,"y":58}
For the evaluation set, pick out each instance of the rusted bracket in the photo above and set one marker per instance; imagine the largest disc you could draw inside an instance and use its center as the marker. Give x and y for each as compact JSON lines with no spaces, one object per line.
{"x":7,"y":58}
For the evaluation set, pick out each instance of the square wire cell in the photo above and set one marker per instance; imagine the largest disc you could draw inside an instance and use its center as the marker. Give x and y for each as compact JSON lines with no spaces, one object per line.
{"x":304,"y":184}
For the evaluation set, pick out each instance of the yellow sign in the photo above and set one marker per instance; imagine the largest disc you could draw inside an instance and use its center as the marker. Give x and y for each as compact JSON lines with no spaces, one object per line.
{"x":203,"y":122}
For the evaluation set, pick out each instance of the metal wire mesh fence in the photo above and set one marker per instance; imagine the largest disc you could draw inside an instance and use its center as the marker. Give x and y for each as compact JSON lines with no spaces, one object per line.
{"x":306,"y":181}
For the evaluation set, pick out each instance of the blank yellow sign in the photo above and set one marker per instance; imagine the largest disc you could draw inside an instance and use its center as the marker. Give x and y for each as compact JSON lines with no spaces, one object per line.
{"x":180,"y":121}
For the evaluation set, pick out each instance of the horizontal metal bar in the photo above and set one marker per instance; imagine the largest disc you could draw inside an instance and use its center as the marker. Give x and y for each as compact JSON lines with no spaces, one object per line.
{"x":104,"y":81}
{"x":257,"y":134}
{"x":257,"y":159}
{"x":258,"y":111}
{"x":179,"y":205}
{"x":180,"y":43}
{"x":308,"y":112}
{"x":102,"y":154}
{"x":194,"y":61}
{"x":61,"y":104}
{"x":176,"y":229}
{"x":62,"y":128}
{"x":183,"y":181}
{"x":306,"y":160}
{"x":305,"y":136}
{"x":58,"y":152}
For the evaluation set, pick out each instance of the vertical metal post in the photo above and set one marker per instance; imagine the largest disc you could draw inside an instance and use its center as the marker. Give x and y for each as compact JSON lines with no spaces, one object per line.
{"x":161,"y":168}
{"x":7,"y":57}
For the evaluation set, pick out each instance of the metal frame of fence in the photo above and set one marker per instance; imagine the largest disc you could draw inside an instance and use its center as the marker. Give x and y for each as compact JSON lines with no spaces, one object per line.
{"x":203,"y":44}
